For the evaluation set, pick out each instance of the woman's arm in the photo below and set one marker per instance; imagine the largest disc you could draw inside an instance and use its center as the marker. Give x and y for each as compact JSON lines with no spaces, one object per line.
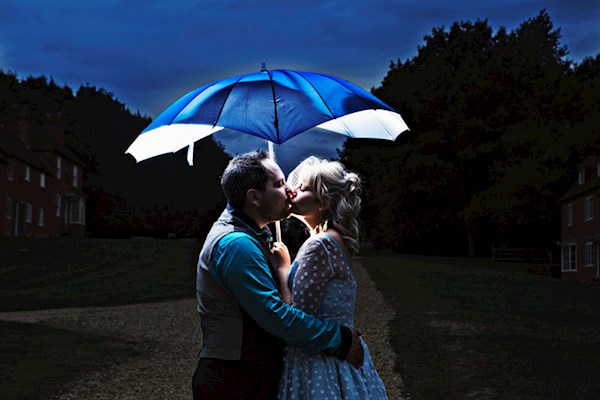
{"x":282,"y":255}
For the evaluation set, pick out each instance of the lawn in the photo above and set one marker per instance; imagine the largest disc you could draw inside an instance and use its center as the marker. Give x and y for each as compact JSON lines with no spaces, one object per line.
{"x":52,"y":273}
{"x":463,"y":329}
{"x":476,"y":329}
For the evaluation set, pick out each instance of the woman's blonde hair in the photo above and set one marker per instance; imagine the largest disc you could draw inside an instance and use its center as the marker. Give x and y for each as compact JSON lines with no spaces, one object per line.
{"x":337,"y":188}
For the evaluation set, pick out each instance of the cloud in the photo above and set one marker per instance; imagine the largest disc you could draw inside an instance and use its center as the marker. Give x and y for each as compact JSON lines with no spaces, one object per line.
{"x":150,"y":52}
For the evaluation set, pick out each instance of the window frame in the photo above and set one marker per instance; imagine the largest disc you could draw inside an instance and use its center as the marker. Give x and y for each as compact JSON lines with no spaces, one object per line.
{"x":28,"y":213}
{"x":10,"y":170}
{"x":568,"y":260}
{"x":75,"y":176}
{"x":8,"y":212}
{"x":570,"y":218}
{"x":59,"y":167}
{"x":76,"y":211}
{"x":58,"y":204}
{"x":41,"y":217}
{"x":588,"y":208}
{"x":588,"y":254}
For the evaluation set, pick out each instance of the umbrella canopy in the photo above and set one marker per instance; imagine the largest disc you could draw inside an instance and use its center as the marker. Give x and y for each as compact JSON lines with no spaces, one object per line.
{"x":275,"y":105}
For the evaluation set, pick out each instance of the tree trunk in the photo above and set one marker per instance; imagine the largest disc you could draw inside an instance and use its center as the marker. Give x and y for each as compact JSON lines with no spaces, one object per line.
{"x":471,"y":240}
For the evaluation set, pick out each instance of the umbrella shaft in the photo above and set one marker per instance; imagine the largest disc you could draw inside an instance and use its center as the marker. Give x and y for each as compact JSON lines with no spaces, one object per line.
{"x":277,"y":223}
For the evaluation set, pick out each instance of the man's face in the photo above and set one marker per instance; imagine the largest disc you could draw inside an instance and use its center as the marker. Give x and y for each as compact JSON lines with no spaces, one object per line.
{"x":275,"y":202}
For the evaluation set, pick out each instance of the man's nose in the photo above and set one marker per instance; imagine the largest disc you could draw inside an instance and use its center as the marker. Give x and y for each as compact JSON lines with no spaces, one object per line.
{"x":290,"y":192}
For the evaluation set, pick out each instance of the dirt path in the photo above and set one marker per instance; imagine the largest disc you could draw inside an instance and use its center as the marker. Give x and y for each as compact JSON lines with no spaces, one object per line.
{"x":163,"y":332}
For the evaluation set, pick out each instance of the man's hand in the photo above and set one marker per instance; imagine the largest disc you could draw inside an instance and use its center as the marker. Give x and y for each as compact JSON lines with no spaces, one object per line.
{"x":356,"y":354}
{"x":351,"y":348}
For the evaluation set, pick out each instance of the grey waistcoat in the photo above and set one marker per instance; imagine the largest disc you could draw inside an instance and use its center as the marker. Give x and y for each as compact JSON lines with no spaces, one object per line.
{"x":225,"y":330}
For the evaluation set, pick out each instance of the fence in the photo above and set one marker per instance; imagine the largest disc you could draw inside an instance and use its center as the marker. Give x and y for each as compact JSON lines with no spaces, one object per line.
{"x":531,"y":255}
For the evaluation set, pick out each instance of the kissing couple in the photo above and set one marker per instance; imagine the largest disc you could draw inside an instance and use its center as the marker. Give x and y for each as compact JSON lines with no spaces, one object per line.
{"x":273,"y":328}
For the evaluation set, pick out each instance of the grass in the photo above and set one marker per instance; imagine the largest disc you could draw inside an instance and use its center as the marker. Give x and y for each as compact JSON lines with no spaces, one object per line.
{"x":476,"y":329}
{"x":54,"y":273}
{"x":463,"y":329}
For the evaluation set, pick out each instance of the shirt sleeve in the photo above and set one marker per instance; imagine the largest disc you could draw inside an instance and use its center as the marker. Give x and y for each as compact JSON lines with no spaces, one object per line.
{"x":314,"y":271}
{"x":238,"y":265}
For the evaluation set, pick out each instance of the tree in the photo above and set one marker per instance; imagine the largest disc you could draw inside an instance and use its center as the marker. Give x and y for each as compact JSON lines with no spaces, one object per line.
{"x":123,"y":197}
{"x":496,"y":127}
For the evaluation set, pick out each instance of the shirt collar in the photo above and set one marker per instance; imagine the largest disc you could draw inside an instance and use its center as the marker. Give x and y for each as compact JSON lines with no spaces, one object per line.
{"x":245,"y":219}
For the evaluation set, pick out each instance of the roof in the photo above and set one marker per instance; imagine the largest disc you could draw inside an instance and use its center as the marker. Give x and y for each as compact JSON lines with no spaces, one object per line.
{"x":588,"y":162}
{"x":43,"y":141}
{"x":12,"y":145}
{"x":590,"y":184}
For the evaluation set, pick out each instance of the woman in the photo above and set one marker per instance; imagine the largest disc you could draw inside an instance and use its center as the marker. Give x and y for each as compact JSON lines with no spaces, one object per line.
{"x":321,"y":282}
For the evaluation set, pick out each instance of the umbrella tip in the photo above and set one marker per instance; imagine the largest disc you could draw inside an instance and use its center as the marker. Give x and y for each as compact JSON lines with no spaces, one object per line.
{"x":263,"y":67}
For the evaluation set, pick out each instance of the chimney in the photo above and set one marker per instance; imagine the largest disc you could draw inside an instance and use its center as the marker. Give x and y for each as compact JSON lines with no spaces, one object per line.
{"x":55,"y":128}
{"x":20,"y":125}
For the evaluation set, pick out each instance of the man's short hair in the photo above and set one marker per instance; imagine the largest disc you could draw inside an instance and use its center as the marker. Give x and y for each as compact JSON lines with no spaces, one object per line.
{"x":245,"y":171}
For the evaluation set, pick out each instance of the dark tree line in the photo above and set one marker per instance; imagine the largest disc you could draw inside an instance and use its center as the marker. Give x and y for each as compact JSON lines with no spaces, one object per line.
{"x":124,"y":198}
{"x":499,"y":122}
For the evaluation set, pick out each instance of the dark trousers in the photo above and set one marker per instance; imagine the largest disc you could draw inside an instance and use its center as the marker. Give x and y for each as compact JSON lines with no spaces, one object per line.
{"x":235,"y":380}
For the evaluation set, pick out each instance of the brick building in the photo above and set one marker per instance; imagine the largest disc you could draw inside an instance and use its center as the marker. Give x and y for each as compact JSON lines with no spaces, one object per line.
{"x":580,"y":224}
{"x":40,"y":182}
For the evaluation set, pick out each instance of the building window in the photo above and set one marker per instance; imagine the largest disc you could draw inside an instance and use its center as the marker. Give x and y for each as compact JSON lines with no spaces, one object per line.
{"x":59,"y":167}
{"x":10,"y":170}
{"x":58,"y":205}
{"x":27,"y":173}
{"x":42,"y":179}
{"x":75,"y":176}
{"x":570,"y":214}
{"x":588,"y":208}
{"x":581,"y":176}
{"x":77,"y":211}
{"x":589,"y":254}
{"x":28,"y":213}
{"x":41,"y":217}
{"x":9,"y":208}
{"x":569,"y":257}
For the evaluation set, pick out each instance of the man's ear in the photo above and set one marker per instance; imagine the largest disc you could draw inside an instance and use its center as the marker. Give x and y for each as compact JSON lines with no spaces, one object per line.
{"x":253,"y":197}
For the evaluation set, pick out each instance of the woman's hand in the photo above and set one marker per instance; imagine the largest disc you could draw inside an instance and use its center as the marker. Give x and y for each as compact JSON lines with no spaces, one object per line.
{"x":282,"y":257}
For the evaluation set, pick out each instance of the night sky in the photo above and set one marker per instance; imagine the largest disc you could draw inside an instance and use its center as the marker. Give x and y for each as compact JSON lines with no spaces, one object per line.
{"x":149,"y":53}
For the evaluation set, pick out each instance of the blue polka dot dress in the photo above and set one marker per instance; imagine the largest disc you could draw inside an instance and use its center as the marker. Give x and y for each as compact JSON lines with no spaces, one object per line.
{"x":324,"y":286}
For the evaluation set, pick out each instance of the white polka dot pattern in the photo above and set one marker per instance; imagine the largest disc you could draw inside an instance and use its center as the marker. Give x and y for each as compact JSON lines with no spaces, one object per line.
{"x":324,"y":286}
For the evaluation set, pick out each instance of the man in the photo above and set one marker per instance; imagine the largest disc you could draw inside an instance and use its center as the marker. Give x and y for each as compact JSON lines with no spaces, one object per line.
{"x":244,"y":321}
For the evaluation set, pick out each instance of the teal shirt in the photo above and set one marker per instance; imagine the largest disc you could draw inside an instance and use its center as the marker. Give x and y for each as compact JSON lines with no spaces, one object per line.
{"x":238,"y":265}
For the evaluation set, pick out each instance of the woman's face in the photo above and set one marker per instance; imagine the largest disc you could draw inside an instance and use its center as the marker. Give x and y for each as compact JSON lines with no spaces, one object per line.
{"x":305,"y":203}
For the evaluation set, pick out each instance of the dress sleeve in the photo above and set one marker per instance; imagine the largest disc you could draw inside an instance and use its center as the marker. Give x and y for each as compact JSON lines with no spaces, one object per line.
{"x":314,"y":271}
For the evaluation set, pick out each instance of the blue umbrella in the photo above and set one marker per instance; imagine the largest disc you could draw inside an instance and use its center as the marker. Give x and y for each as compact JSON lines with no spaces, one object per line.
{"x":275,"y":105}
